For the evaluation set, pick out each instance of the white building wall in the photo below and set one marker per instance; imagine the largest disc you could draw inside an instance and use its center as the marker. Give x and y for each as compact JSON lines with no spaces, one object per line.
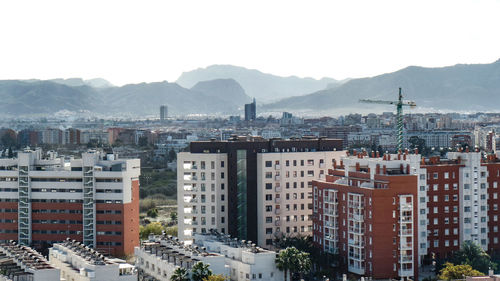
{"x":284,"y":192}
{"x":201,"y":193}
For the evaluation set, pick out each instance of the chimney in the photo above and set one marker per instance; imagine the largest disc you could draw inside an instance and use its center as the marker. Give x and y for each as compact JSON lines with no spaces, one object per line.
{"x":373,"y":154}
{"x":416,"y":150}
{"x":467,"y":149}
{"x":377,"y":154}
{"x":334,"y":164}
{"x":384,"y":170}
{"x":377,"y":169}
{"x":357,"y":167}
{"x":423,"y":161}
{"x":407,"y":169}
{"x":354,"y":152}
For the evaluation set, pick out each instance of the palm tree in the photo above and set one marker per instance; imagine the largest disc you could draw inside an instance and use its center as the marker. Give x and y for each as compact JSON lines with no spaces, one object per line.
{"x":200,"y":271}
{"x":180,"y":274}
{"x":293,"y":261}
{"x":472,"y":254}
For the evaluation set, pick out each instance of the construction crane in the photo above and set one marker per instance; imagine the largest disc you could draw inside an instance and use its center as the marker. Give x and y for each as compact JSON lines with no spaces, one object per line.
{"x":399,"y":106}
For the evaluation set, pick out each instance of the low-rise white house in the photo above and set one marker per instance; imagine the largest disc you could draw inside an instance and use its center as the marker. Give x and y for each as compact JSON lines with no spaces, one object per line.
{"x":18,"y":262}
{"x":158,"y":258}
{"x":78,"y":262}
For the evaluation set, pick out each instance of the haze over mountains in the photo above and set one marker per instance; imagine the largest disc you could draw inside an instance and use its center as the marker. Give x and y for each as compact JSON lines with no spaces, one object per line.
{"x":262,"y":86}
{"x":221,"y":90}
{"x":474,"y":87}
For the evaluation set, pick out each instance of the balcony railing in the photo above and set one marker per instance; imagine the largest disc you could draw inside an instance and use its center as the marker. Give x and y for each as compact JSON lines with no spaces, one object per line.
{"x":356,"y":217}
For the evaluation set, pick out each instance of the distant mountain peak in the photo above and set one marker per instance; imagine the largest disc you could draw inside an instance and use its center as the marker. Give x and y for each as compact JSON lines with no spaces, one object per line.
{"x":263,"y":86}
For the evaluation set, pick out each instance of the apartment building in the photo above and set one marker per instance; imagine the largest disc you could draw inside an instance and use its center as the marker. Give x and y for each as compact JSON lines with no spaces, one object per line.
{"x":229,"y":181}
{"x":284,"y":192}
{"x":19,"y":262}
{"x":366,"y":210}
{"x":158,"y":258}
{"x":78,"y":262}
{"x":46,"y":199}
{"x":453,"y":200}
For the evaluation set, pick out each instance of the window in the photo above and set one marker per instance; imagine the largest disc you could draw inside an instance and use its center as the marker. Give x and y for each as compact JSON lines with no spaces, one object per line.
{"x":269,"y":164}
{"x":269,"y":230}
{"x":269,"y":219}
{"x":269,"y":186}
{"x":435,"y":175}
{"x":269,"y":175}
{"x":269,"y":197}
{"x":269,"y":208}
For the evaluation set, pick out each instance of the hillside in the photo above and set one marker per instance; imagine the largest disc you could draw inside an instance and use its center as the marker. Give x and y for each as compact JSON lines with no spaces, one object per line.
{"x":474,"y":87}
{"x":264,"y":87}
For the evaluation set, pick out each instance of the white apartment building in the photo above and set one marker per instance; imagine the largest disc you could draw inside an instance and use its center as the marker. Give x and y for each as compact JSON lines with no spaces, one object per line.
{"x":159,"y":257}
{"x":473,"y":184}
{"x":78,"y":262}
{"x":18,"y":262}
{"x":201,"y":194}
{"x":284,"y":191}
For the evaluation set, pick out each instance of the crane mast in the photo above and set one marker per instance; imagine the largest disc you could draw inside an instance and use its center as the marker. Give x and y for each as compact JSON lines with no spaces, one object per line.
{"x":399,"y":114}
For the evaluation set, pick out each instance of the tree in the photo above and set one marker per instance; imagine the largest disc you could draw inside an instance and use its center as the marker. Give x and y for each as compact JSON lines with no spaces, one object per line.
{"x":200,"y":271}
{"x":416,"y":142}
{"x":218,"y":277}
{"x":143,"y":141}
{"x":451,"y":271}
{"x":173,"y":216}
{"x":294,"y":261}
{"x":472,"y":254}
{"x":153,"y":213}
{"x":180,"y":274}
{"x":171,"y":155}
{"x":153,"y":228}
{"x":171,"y":230}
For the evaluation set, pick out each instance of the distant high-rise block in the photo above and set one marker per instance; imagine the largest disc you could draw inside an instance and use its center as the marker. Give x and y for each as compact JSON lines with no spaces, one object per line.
{"x":251,"y":111}
{"x":163,"y":113}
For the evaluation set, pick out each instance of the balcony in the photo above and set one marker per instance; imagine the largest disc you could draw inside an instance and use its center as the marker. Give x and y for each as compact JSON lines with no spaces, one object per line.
{"x":355,"y":204}
{"x":405,"y":272}
{"x":277,"y":167}
{"x":406,"y":207}
{"x":405,"y":219}
{"x":406,"y":246}
{"x":356,"y":256}
{"x":277,"y":223}
{"x":321,"y":165}
{"x":277,"y":189}
{"x":331,"y":224}
{"x":356,"y":243}
{"x":277,"y":178}
{"x":277,"y":211}
{"x":331,"y":213}
{"x":406,"y":258}
{"x":356,"y":217}
{"x":356,"y":230}
{"x":406,"y":232}
{"x":332,"y":250}
{"x":277,"y":200}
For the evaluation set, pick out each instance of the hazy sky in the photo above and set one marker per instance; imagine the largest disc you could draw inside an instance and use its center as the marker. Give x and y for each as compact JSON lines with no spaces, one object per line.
{"x":127,"y":42}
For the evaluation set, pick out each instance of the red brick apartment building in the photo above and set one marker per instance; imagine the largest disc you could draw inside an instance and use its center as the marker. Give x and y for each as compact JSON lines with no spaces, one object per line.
{"x":386,"y":215}
{"x":94,"y":200}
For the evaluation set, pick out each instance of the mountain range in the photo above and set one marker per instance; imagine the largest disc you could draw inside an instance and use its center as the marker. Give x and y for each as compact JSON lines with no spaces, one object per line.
{"x":262,"y":86}
{"x":225,"y":89}
{"x":473,"y":87}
